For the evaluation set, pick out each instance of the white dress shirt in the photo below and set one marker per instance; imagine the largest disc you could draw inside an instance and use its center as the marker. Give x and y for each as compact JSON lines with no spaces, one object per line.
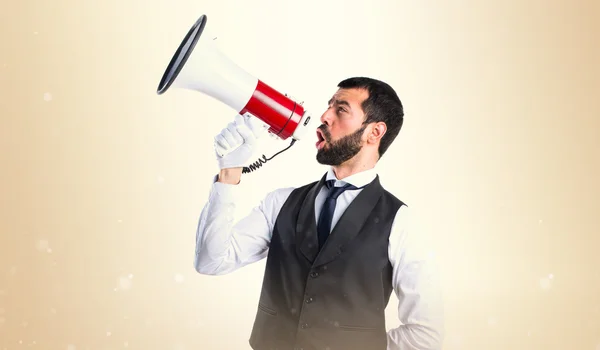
{"x":223,"y":246}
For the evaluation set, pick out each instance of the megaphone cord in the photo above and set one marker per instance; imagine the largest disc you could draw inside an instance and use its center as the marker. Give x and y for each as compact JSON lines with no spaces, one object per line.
{"x":264,"y":159}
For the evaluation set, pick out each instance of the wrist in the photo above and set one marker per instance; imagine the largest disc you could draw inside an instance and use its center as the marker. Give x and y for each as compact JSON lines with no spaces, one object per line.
{"x":230,"y":176}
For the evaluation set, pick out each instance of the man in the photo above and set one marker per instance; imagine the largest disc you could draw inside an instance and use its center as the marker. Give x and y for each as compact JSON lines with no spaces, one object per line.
{"x":331,"y":263}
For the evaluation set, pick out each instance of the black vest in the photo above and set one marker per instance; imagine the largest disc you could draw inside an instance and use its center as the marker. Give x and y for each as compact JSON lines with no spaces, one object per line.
{"x":333,"y":299}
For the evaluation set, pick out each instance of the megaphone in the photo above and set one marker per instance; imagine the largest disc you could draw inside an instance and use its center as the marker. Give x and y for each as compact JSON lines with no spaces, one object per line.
{"x":199,"y":65}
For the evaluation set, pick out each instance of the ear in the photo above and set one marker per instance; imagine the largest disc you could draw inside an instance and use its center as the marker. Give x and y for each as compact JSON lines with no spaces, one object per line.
{"x":377,"y":130}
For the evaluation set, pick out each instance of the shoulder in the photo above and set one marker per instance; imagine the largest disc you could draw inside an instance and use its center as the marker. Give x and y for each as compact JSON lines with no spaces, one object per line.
{"x":278,"y":197}
{"x":393,"y":199}
{"x":411,"y":239}
{"x":284,"y":192}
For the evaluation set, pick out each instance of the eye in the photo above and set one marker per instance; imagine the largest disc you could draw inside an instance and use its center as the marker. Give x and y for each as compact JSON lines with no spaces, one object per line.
{"x":341,"y":110}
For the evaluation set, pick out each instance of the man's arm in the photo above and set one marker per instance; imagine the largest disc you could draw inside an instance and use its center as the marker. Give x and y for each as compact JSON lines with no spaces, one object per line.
{"x":223,"y":246}
{"x":416,"y":283}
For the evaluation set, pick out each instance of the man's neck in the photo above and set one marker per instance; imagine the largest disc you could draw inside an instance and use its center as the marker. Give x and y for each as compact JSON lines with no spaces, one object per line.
{"x":351,"y":167}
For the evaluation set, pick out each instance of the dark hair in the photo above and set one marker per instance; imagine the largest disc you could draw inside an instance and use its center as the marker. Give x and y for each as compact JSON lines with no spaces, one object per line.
{"x":382,"y":105}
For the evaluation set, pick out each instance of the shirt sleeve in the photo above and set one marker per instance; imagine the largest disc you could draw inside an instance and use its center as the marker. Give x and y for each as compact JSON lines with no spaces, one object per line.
{"x":222,"y":245}
{"x":416,"y":284}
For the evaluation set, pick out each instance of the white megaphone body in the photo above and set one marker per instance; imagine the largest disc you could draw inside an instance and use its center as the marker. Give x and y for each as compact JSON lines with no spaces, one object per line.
{"x":199,"y":65}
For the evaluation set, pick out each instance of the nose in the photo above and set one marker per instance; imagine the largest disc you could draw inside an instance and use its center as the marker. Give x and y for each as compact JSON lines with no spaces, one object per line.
{"x":326,"y":117}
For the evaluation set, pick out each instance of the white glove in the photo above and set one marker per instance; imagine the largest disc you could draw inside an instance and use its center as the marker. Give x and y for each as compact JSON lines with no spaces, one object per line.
{"x":237,"y":143}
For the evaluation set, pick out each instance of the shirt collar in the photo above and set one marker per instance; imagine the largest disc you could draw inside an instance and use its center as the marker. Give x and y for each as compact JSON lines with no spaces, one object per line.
{"x":359,"y":179}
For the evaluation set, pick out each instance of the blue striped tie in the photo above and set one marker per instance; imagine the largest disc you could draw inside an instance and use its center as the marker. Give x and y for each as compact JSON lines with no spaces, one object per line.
{"x":324,"y":224}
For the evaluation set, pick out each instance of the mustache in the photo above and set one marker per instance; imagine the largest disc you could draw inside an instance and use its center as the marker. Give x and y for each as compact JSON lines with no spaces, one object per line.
{"x":325,"y":132}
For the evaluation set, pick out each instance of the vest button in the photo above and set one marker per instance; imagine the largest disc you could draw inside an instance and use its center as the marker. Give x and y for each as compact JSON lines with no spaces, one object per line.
{"x":310,"y":300}
{"x":304,"y":325}
{"x":314,"y":274}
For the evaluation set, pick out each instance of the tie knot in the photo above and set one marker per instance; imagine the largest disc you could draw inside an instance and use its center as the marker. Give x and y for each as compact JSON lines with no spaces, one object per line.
{"x":335,"y":192}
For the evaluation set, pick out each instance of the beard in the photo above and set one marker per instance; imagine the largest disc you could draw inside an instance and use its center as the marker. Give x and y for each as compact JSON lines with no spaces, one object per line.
{"x":337,"y":152}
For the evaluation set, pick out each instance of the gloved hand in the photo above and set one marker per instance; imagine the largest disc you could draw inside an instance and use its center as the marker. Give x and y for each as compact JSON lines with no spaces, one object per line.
{"x":236,"y":145}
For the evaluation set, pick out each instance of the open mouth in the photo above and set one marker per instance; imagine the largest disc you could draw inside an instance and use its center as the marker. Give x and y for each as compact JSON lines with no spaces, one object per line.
{"x":320,"y":139}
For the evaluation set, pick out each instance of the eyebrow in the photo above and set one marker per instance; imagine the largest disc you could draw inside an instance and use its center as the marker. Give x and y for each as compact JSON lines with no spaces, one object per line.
{"x":339,"y":102}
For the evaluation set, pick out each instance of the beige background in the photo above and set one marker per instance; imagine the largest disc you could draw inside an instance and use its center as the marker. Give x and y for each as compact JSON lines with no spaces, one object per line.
{"x":102,"y":180}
